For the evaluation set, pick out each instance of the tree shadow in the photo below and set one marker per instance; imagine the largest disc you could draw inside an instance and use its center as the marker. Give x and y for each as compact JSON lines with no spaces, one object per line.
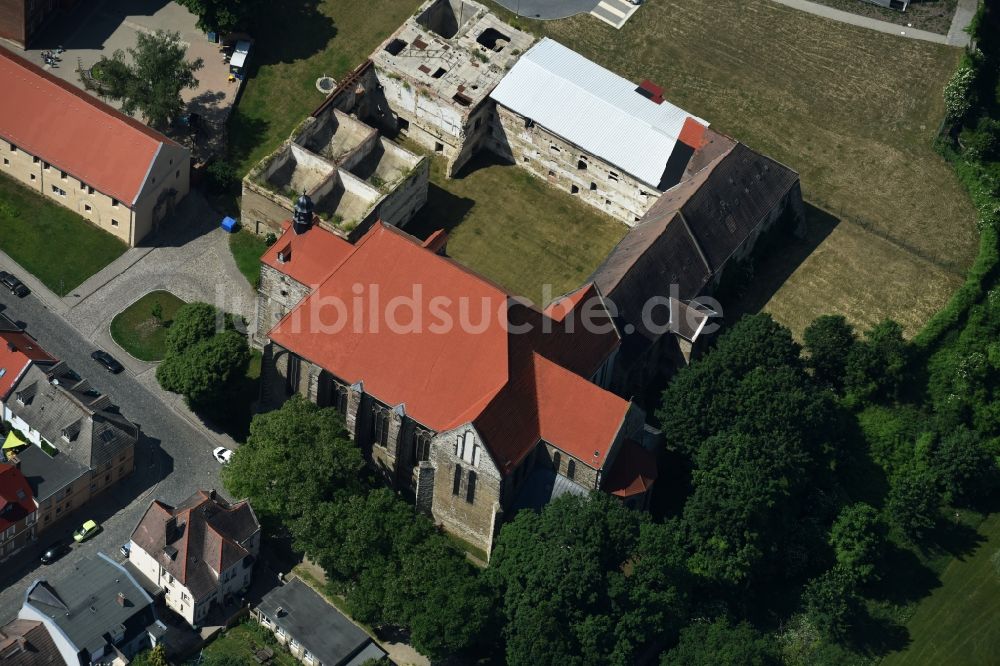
{"x":287,"y":32}
{"x":244,"y":133}
{"x":904,"y":577}
{"x":877,"y":636}
{"x":956,"y":539}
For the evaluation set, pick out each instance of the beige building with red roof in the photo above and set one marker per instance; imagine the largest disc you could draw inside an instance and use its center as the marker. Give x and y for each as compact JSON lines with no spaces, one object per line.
{"x":200,"y":552}
{"x":457,"y":391}
{"x":81,"y":153}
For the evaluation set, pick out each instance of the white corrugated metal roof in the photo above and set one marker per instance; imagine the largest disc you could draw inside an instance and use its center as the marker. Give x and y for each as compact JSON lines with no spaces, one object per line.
{"x":593,"y":108}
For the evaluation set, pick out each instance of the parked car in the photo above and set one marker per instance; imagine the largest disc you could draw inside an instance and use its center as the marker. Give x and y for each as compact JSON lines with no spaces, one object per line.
{"x":87,"y":530}
{"x":13,"y":285}
{"x":54,"y":552}
{"x":222,"y":454}
{"x":108,"y":361}
{"x":125,"y":549}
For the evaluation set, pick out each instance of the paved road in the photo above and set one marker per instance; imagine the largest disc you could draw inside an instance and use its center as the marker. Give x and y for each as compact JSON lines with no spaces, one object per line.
{"x":955,"y":37}
{"x":173,"y":459}
{"x":549,"y":9}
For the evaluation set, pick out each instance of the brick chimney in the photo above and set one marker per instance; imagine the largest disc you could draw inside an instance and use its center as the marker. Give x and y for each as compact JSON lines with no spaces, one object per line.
{"x":120,"y":599}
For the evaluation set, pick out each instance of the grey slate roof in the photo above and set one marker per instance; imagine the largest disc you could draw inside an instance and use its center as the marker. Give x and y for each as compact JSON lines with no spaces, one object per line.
{"x":85,"y":606}
{"x":57,"y":401}
{"x":48,"y":475}
{"x":693,"y":229}
{"x":323,"y":630}
{"x":198,"y":539}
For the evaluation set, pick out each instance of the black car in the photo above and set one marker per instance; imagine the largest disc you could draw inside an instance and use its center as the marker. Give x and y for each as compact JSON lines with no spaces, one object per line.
{"x":15,"y":286}
{"x":108,"y":361}
{"x":55,"y":552}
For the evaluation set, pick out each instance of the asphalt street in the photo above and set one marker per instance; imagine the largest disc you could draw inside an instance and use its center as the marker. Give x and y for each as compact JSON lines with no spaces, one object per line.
{"x":172,"y":458}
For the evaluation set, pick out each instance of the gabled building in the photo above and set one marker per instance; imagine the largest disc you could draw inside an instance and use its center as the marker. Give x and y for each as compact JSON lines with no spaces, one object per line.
{"x":314,"y":631}
{"x":17,"y":511}
{"x":80,"y":444}
{"x":729,"y":196}
{"x":200,"y":552}
{"x":18,"y":351}
{"x":612,"y":143}
{"x":81,"y":153}
{"x":95,"y":614}
{"x":456,"y":391}
{"x":28,"y":643}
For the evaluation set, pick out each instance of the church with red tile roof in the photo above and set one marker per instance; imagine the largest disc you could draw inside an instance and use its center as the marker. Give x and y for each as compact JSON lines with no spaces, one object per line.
{"x":466,"y":396}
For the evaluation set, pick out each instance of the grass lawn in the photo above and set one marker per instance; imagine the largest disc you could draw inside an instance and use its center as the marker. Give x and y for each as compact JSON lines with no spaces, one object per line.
{"x":853,"y":110}
{"x":53,"y":243}
{"x":247,"y":248}
{"x":138,"y":332}
{"x":956,"y":624}
{"x":240,"y":642}
{"x":296,"y":43}
{"x":515,"y":229}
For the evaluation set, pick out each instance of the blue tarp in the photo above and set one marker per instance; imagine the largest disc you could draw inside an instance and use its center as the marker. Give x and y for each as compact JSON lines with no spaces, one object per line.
{"x":229,"y":224}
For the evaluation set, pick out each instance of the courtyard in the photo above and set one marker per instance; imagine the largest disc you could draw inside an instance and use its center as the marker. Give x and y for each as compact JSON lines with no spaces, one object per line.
{"x":89,"y":33}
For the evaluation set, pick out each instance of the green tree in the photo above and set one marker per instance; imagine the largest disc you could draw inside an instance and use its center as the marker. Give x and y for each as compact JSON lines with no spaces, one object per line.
{"x":701,"y":396}
{"x":858,"y":537}
{"x":878,"y":365}
{"x":831,"y":602}
{"x":149,"y":77}
{"x":192,"y":323}
{"x":964,"y":468}
{"x":566,"y":597}
{"x":204,"y":372}
{"x":722,"y":643}
{"x":829,"y":340}
{"x":295,"y":458}
{"x":395,"y":568}
{"x":913,"y":502}
{"x":222,"y":16}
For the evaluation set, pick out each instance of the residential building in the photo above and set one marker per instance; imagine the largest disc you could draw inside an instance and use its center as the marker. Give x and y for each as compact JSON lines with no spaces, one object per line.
{"x":587,"y":131}
{"x":80,"y":445}
{"x":475,"y":417}
{"x":28,"y":643}
{"x":83,"y":154}
{"x":96,"y":614}
{"x":436,"y":72}
{"x":17,"y":511}
{"x":200,"y":552}
{"x":313,"y":630}
{"x":728,"y":197}
{"x":18,"y":351}
{"x":22,"y":20}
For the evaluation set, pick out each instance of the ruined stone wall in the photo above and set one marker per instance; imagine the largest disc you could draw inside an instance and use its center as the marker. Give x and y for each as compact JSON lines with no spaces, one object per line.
{"x":566,"y":167}
{"x":403,"y":201}
{"x":261,"y":210}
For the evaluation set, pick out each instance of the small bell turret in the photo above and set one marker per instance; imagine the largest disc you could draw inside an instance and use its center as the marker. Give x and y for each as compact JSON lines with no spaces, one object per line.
{"x":302,"y":216}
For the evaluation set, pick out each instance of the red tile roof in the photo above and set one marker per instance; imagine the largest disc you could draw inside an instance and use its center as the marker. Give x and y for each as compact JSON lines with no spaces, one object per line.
{"x":15,"y":496}
{"x":633,"y":472}
{"x":73,"y":131}
{"x":310,"y":257}
{"x":17,"y":351}
{"x":515,"y":387}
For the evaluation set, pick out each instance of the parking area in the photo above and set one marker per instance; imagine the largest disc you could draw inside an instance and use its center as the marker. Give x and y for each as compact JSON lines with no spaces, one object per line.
{"x":93,"y":30}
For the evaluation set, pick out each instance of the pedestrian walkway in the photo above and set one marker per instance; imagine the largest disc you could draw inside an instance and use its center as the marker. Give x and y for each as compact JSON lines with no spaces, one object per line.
{"x":614,"y":12}
{"x":959,"y":38}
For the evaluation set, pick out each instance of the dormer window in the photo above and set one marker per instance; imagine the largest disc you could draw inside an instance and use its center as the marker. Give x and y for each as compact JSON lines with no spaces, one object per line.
{"x":285,"y":254}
